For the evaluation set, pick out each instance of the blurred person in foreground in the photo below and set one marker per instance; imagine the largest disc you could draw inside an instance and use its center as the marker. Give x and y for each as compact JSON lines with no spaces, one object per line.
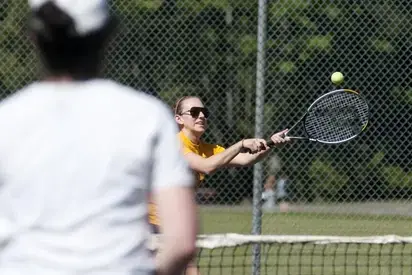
{"x":204,"y":158}
{"x":79,"y":156}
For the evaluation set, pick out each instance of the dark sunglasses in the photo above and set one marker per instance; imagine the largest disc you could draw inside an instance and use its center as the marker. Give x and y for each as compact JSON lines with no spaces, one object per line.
{"x":195,"y":112}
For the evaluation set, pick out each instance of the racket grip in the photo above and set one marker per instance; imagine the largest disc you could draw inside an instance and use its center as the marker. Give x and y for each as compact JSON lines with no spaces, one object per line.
{"x":246,"y":150}
{"x":270,"y":143}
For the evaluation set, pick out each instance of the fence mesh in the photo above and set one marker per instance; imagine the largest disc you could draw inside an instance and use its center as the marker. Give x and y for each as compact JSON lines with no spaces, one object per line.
{"x":208,"y":48}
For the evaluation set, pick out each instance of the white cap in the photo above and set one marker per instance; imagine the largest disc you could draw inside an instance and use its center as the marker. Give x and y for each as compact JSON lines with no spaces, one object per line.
{"x":88,"y":15}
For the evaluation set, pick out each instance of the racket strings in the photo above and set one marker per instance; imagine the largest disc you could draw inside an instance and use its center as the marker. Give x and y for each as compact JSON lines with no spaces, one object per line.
{"x":337,"y":117}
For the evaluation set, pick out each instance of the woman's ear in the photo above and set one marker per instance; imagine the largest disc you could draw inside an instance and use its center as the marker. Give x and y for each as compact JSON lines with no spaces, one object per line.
{"x":179,"y":120}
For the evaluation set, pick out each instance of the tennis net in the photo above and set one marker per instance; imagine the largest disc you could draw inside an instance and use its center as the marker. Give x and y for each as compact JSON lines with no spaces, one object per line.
{"x":305,"y":255}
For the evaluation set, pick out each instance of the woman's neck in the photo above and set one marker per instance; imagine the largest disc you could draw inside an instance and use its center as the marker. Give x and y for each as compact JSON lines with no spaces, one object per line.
{"x":191,"y":136}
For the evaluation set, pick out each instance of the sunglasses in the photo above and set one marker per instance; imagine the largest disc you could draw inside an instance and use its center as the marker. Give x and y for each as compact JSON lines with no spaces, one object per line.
{"x":195,"y":112}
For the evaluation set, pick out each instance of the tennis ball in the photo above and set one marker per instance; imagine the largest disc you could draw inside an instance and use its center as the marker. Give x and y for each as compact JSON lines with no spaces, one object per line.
{"x":337,"y":78}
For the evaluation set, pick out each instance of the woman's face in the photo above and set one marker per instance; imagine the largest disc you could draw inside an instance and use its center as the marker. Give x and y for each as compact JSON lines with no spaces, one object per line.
{"x":193,"y":116}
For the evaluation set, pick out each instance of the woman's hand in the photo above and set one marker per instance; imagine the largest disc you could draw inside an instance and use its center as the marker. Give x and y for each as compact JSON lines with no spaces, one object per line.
{"x":279,"y":139}
{"x":253,"y":145}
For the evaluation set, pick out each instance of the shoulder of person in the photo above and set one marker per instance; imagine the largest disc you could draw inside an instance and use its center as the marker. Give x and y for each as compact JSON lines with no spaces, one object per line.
{"x":129,"y":101}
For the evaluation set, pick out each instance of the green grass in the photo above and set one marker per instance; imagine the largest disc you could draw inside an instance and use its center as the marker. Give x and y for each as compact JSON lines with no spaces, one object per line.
{"x":225,"y":221}
{"x":308,"y":259}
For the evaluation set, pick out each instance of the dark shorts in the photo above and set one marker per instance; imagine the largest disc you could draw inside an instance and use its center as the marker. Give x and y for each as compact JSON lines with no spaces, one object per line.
{"x":155,"y":228}
{"x":281,"y":199}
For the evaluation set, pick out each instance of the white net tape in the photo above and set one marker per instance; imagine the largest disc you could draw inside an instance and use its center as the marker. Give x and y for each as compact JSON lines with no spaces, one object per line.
{"x":214,"y":241}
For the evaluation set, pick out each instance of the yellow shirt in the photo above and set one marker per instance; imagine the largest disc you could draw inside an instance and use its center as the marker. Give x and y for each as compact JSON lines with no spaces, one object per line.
{"x":202,"y":149}
{"x":153,"y":216}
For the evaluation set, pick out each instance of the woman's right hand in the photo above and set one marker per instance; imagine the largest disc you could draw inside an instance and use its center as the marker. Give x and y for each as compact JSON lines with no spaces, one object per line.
{"x":253,"y":145}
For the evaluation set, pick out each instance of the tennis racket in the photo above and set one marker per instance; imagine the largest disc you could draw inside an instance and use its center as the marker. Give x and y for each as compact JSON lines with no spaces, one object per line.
{"x":335,"y":117}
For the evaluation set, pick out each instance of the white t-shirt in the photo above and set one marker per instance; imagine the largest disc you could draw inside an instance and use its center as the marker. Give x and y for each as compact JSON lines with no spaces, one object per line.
{"x":77,"y":160}
{"x":281,"y":188}
{"x":268,"y":197}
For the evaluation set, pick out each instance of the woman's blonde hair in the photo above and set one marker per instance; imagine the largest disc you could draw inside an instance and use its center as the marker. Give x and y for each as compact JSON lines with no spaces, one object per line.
{"x":178,"y":108}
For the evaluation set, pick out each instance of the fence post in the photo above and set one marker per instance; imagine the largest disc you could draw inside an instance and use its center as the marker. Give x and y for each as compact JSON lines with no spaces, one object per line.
{"x":258,"y":169}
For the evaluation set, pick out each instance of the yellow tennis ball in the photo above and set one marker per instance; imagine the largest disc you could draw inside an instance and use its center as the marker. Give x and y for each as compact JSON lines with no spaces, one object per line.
{"x":337,"y":78}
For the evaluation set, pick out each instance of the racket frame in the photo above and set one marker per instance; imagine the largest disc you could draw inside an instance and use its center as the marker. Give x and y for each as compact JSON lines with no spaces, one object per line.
{"x":270,"y":142}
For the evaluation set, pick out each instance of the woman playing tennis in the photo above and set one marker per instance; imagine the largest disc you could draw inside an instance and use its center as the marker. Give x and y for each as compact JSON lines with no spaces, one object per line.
{"x":204,"y":159}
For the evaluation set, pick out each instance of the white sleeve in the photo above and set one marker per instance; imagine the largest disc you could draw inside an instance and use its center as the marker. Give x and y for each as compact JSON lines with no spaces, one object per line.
{"x":169,"y":168}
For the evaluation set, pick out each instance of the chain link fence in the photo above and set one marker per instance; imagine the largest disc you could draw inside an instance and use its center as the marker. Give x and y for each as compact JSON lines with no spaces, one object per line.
{"x":208,"y":48}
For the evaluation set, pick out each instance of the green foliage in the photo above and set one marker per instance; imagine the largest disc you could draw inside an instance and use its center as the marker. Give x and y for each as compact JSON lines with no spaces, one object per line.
{"x":327,"y":181}
{"x":248,"y":44}
{"x":320,"y":42}
{"x":403,"y":95}
{"x":287,"y":67}
{"x":17,"y":66}
{"x":208,"y":48}
{"x":133,"y":7}
{"x":376,"y":161}
{"x":397,"y":177}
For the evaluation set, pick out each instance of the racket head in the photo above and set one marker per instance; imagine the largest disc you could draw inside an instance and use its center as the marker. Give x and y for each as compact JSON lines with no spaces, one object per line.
{"x":336,"y":117}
